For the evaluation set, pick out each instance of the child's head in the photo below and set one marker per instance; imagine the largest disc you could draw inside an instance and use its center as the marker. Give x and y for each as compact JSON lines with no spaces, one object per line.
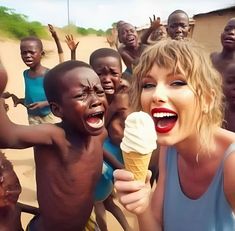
{"x":75,"y":94}
{"x":178,"y":25}
{"x":10,"y":188}
{"x":31,"y":50}
{"x":228,"y":35}
{"x":186,"y":59}
{"x":118,"y":26}
{"x":107,"y":64}
{"x":127,"y":35}
{"x":229,"y":84}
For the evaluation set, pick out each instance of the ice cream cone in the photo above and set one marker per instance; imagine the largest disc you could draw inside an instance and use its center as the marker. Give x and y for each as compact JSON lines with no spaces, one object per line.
{"x":137,"y":164}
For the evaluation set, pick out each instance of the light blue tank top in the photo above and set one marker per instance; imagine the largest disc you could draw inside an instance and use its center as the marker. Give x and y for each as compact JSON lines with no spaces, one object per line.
{"x":34,"y":92}
{"x":210,"y":212}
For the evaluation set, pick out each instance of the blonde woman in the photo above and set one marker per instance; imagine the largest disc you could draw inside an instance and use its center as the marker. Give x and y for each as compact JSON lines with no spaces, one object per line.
{"x":176,"y":84}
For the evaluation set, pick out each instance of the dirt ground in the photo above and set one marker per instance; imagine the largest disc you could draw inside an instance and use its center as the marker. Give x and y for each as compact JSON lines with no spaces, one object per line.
{"x":23,"y":159}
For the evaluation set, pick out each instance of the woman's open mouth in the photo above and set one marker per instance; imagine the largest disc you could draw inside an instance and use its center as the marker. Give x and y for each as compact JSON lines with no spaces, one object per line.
{"x":164,"y":119}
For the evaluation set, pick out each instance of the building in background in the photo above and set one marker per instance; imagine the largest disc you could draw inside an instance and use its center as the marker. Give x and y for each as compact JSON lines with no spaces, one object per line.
{"x":208,"y":27}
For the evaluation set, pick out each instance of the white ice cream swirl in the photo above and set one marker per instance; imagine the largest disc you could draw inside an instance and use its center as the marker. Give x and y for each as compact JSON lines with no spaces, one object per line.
{"x":139,"y":134}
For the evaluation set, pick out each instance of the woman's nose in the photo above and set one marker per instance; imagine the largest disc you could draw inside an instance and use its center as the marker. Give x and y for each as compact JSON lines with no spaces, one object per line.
{"x":160,"y":94}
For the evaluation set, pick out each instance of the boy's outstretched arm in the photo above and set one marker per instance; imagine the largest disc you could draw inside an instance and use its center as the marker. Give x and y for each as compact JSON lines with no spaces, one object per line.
{"x":72,"y":45}
{"x":154,"y":24}
{"x":57,"y":41}
{"x":23,"y":136}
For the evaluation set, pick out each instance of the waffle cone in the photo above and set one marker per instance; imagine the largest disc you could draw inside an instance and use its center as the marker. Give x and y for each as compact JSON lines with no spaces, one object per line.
{"x":137,"y":164}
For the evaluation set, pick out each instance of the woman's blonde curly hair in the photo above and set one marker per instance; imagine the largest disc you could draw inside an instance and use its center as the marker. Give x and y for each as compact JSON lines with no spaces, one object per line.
{"x":189,"y":59}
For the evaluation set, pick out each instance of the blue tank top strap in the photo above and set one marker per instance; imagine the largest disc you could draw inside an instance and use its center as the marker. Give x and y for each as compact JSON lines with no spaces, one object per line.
{"x":182,"y":213}
{"x":230,"y":150}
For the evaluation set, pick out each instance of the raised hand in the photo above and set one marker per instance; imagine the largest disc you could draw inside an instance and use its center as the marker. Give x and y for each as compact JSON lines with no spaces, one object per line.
{"x":52,"y":30}
{"x":155,"y":23}
{"x":17,"y":100}
{"x":71,"y":43}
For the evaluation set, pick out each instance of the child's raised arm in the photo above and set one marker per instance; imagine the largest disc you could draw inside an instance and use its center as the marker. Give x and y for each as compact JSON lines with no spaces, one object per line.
{"x":72,"y":45}
{"x":154,"y":25}
{"x":57,"y":41}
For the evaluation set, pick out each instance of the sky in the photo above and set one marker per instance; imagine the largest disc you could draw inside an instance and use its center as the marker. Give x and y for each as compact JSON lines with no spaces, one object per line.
{"x":101,"y":14}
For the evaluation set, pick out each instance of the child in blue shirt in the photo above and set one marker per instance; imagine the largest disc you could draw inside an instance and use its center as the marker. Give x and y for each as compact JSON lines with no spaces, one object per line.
{"x":35,"y":100}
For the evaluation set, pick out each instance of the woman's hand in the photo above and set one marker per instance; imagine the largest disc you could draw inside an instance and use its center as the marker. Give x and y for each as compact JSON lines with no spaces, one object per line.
{"x":133,"y":195}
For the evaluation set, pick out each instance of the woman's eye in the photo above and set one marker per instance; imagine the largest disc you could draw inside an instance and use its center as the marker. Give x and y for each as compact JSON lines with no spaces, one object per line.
{"x":178,"y":83}
{"x":148,"y":85}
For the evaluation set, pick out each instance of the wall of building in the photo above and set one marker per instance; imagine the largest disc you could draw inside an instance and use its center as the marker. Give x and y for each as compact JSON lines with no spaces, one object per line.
{"x":208,"y":28}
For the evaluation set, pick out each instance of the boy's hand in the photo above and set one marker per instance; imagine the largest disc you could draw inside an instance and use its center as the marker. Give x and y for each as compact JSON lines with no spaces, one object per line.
{"x":17,"y":100}
{"x":71,"y":43}
{"x":52,"y":30}
{"x":6,"y":95}
{"x":155,"y":23}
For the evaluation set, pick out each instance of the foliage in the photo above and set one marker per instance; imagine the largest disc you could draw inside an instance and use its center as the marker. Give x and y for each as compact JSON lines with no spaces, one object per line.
{"x":89,"y":31}
{"x":17,"y":25}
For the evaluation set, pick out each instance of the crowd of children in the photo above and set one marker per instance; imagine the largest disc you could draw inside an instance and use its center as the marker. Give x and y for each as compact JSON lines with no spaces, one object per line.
{"x":92,"y":101}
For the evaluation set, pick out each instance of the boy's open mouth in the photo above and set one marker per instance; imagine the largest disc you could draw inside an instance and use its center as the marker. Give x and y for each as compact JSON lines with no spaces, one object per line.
{"x":109,"y":90}
{"x":96,"y":120}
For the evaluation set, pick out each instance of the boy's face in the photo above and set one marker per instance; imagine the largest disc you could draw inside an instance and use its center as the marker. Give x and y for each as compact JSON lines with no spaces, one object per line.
{"x":10,"y":188}
{"x":109,"y":71}
{"x":228,"y":35}
{"x":31,"y":53}
{"x":178,"y":26}
{"x":128,"y":35}
{"x":83,"y":102}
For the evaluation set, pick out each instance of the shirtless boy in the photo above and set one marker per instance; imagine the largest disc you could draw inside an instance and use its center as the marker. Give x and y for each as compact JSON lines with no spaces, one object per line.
{"x":65,"y":188}
{"x":223,"y":58}
{"x":224,"y":62}
{"x":132,"y":48}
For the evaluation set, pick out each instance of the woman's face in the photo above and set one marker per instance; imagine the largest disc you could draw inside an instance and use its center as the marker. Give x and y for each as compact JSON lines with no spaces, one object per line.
{"x":171,"y":103}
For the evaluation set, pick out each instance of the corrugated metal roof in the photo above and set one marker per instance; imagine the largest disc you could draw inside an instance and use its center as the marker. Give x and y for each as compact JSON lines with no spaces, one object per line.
{"x":232,"y":8}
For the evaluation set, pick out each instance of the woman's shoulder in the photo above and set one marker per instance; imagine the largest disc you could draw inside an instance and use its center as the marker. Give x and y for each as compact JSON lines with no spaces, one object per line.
{"x":226,"y":136}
